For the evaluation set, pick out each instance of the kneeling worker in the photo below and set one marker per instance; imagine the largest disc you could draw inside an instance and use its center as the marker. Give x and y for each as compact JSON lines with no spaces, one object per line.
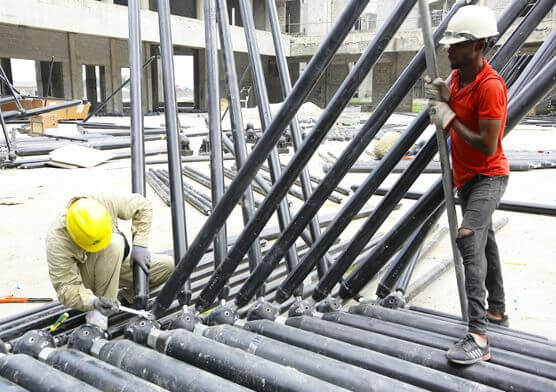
{"x":90,"y":260}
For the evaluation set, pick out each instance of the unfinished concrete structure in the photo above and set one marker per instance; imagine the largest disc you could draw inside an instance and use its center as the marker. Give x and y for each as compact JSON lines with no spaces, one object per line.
{"x":308,"y":21}
{"x":88,"y":40}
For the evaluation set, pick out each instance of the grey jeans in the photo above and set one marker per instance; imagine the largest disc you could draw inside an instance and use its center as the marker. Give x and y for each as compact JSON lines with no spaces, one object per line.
{"x":481,"y":260}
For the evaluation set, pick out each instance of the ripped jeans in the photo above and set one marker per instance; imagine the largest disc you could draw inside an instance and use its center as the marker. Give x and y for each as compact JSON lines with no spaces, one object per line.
{"x":481,"y":260}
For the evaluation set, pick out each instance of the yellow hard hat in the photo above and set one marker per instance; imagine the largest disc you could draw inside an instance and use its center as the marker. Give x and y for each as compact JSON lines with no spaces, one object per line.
{"x":89,"y":225}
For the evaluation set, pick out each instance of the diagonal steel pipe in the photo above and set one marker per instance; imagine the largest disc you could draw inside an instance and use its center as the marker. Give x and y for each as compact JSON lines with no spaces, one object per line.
{"x":301,"y":90}
{"x":173,"y":145}
{"x":283,"y":211}
{"x":236,"y":121}
{"x":354,"y":149}
{"x":215,"y":129}
{"x":299,"y":160}
{"x":295,"y":131}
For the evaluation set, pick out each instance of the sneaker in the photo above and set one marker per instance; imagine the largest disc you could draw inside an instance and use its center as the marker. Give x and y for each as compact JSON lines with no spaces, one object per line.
{"x":504,"y":321}
{"x":466,"y":351}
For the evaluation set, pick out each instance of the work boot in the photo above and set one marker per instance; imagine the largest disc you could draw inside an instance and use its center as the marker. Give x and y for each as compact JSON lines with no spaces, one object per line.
{"x":466,"y":351}
{"x":504,"y":321}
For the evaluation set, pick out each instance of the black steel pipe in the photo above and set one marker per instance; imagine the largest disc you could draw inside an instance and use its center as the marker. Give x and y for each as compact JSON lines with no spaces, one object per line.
{"x":504,"y":330}
{"x":263,"y":105}
{"x":314,"y":179}
{"x":236,"y":122}
{"x":191,"y":196}
{"x":46,"y":109}
{"x":172,"y":131}
{"x":436,"y":340}
{"x":515,"y":344}
{"x":437,"y":270}
{"x":542,"y":55}
{"x":235,"y":365}
{"x":301,"y":90}
{"x":407,"y":254}
{"x":386,"y":205}
{"x":159,"y":188}
{"x":426,"y":205}
{"x":505,"y":205}
{"x":166,"y":372}
{"x":140,"y":277}
{"x":421,"y":376}
{"x":94,"y":372}
{"x":37,"y":376}
{"x":302,"y":156}
{"x":327,"y":369}
{"x":295,"y":131}
{"x":485,"y":373}
{"x":403,"y":281}
{"x":8,"y":386}
{"x":215,"y":130}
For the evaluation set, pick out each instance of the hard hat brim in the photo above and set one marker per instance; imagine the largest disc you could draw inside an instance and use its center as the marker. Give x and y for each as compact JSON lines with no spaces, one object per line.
{"x":452,"y":40}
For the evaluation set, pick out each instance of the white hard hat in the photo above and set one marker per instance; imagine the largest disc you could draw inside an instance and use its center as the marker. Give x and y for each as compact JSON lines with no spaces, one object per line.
{"x":470,"y":23}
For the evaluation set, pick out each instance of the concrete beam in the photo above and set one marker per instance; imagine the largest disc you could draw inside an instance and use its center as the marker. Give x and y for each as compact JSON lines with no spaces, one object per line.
{"x":404,"y":41}
{"x":96,"y":18}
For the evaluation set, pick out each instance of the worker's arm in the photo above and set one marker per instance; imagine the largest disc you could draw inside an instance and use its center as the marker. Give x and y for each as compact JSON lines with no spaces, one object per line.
{"x":485,"y":140}
{"x":134,"y":207}
{"x":65,"y":275}
{"x":491,"y":107}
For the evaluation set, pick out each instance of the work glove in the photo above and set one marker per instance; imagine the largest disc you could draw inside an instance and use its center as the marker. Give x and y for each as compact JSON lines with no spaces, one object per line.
{"x":437,"y":89}
{"x":105,"y":306}
{"x":441,"y":114}
{"x":142,"y":257}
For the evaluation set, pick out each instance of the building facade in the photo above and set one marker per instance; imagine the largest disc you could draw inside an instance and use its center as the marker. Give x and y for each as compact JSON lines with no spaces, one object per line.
{"x":78,"y":48}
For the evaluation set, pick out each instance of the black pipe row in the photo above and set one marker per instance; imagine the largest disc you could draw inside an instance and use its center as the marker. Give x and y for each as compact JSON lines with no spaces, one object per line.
{"x":247,"y":172}
{"x":300,"y":159}
{"x":489,"y":374}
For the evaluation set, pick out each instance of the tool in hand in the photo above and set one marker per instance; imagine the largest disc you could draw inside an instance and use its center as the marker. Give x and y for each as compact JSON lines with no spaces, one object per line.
{"x":22,"y":300}
{"x":432,"y":69}
{"x":140,"y":313}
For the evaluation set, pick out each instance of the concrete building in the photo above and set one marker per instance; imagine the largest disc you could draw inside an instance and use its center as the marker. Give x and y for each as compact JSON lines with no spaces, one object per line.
{"x":308,"y":21}
{"x":87,"y":42}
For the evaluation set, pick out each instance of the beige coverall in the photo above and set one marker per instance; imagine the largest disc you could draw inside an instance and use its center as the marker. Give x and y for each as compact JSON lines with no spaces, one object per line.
{"x":78,"y":277}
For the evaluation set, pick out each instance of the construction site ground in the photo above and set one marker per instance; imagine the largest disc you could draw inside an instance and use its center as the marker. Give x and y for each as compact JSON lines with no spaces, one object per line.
{"x":31,"y":199}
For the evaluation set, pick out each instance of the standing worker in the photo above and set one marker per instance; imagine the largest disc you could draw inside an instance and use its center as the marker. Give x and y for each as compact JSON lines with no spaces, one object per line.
{"x":473,"y":109}
{"x":89,"y":259}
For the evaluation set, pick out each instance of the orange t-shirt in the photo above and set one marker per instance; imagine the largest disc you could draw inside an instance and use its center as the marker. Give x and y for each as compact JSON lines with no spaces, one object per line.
{"x":484,"y":98}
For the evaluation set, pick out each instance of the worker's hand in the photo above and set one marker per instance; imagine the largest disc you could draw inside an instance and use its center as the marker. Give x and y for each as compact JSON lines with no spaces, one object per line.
{"x":441,"y":114}
{"x":105,"y":306}
{"x":437,"y":89}
{"x":142,"y":257}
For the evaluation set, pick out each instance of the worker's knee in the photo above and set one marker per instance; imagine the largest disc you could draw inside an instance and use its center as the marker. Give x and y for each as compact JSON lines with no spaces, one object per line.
{"x":161,"y":269}
{"x":463,"y":232}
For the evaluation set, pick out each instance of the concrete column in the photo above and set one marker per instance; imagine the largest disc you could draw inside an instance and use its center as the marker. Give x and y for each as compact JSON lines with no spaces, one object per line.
{"x":144,"y":5}
{"x":115,"y":103}
{"x":281,"y":9}
{"x":38,"y":77}
{"x":76,"y":82}
{"x":200,"y":9}
{"x":202,"y":83}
